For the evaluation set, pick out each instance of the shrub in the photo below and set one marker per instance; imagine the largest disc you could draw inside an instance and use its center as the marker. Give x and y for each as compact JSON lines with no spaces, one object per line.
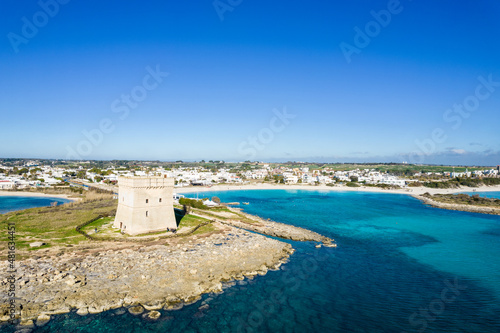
{"x":192,"y":203}
{"x":491,"y":181}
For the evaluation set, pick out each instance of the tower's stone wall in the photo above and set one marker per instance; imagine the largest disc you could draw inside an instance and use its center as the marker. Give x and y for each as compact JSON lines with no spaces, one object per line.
{"x":145,"y":204}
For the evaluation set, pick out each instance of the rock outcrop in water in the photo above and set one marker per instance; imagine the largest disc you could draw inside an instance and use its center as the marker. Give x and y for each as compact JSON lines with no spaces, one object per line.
{"x":452,"y":206}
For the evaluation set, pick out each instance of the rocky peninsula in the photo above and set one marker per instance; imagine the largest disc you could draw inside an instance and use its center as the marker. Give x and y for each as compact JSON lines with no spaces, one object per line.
{"x":140,"y":277}
{"x":433,"y":201}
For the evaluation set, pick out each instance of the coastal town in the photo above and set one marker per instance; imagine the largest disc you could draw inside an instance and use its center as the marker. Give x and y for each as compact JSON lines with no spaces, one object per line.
{"x":130,"y":210}
{"x":22,"y":174}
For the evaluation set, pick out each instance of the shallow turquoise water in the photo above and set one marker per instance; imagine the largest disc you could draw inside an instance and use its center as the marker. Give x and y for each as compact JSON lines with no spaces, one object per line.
{"x":399,"y":267}
{"x":8,"y":203}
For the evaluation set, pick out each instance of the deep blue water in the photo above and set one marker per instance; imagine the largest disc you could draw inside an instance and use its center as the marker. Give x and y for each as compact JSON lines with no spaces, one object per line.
{"x":399,"y":266}
{"x":9,"y":204}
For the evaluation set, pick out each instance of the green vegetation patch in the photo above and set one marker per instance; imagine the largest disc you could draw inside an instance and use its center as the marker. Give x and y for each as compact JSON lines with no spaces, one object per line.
{"x":191,"y":221}
{"x":464,"y":199}
{"x":192,"y":203}
{"x":53,"y":225}
{"x":464,"y":181}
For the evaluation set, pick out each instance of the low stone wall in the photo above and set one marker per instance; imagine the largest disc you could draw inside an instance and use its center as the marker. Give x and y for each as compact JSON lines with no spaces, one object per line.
{"x":138,"y":239}
{"x":79,"y":227}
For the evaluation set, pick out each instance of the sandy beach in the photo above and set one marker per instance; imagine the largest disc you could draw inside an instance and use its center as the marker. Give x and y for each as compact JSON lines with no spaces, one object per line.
{"x":34,"y":194}
{"x":339,"y":188}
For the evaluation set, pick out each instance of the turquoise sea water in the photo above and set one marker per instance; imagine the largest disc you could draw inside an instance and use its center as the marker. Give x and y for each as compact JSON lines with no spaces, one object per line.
{"x":12,"y":203}
{"x":399,"y":266}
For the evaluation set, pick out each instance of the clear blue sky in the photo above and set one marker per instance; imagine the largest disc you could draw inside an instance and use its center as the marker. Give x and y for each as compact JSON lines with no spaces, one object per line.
{"x":225,"y":78}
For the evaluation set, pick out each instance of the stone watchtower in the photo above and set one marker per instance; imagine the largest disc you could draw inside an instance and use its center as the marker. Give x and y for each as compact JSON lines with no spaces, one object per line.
{"x":145,"y":204}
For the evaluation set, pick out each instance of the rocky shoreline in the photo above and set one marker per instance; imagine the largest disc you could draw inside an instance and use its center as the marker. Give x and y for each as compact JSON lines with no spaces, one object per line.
{"x":459,"y":207}
{"x":140,"y":278}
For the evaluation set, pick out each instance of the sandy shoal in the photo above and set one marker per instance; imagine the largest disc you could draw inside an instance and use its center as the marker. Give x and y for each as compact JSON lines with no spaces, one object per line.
{"x":35,"y":194}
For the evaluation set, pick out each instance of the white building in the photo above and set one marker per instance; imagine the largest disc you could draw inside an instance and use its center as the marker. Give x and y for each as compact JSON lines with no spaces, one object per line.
{"x":6,"y":184}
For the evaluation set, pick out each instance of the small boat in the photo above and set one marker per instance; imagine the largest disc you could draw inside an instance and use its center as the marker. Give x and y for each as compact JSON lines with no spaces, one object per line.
{"x":246,"y":203}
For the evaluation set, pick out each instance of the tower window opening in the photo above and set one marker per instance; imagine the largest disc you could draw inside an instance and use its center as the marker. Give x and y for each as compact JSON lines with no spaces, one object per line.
{"x":160,"y":200}
{"x":146,"y":213}
{"x":147,"y":200}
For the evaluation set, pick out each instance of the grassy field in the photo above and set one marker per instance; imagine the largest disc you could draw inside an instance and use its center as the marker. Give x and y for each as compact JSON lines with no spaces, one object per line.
{"x":193,"y":221}
{"x":56,"y":226}
{"x":101,"y":224}
{"x":53,"y":225}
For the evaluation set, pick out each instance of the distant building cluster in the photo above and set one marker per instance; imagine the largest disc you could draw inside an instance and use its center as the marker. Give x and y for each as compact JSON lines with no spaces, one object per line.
{"x":34,"y":176}
{"x":476,"y":173}
{"x":38,"y":174}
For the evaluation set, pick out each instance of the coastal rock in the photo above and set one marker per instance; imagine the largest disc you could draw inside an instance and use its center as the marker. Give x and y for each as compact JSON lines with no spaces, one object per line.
{"x":136,"y":310}
{"x":192,"y":300}
{"x":27,"y":323}
{"x":37,"y":244}
{"x":153,"y":306}
{"x":42,"y":319}
{"x":153,"y":315}
{"x":82,"y":312}
{"x":97,"y":308}
{"x":173,"y":307}
{"x":57,"y":308}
